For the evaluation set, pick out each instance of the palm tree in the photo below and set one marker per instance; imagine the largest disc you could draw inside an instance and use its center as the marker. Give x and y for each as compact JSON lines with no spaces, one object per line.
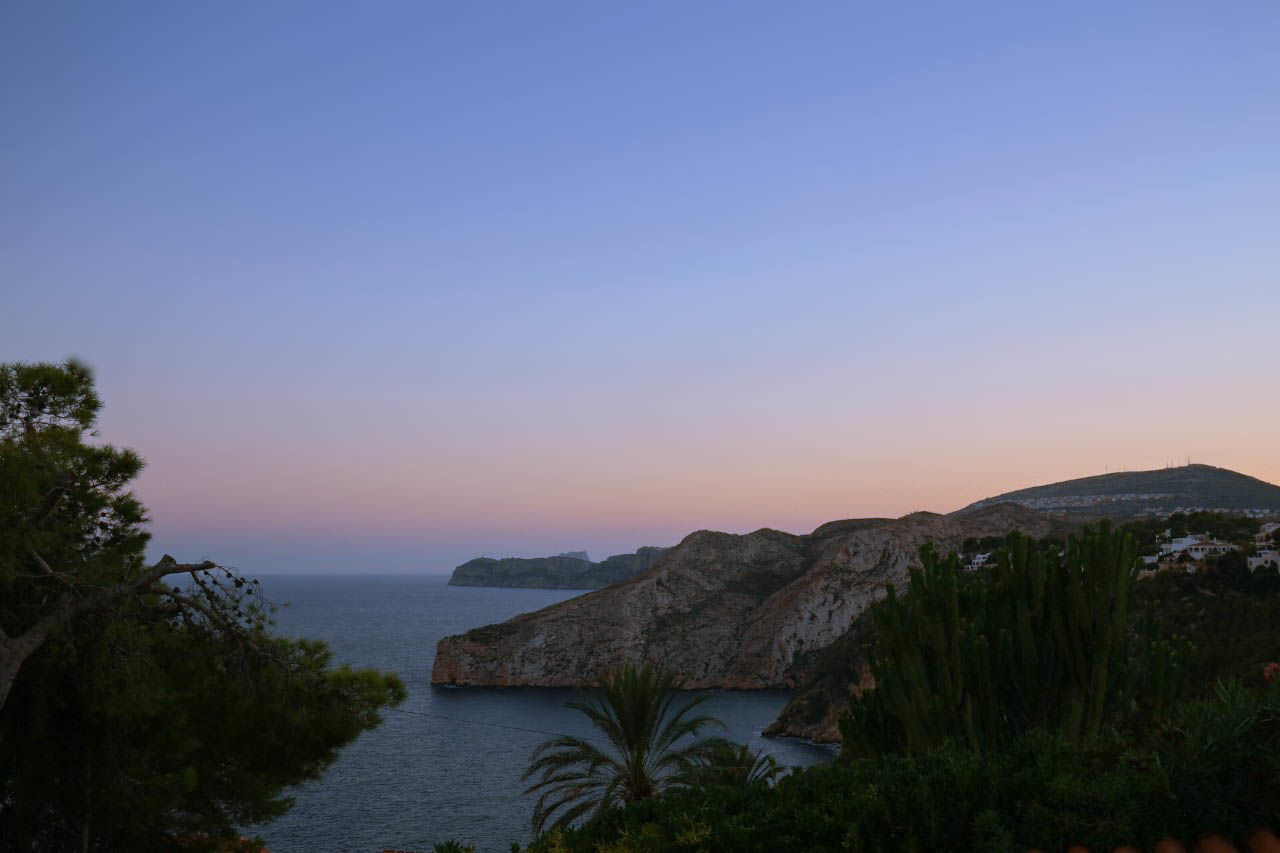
{"x":731,"y":763}
{"x":650,"y":748}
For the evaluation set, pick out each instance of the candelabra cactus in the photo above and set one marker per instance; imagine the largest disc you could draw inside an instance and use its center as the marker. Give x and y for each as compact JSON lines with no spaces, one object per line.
{"x":1042,"y":640}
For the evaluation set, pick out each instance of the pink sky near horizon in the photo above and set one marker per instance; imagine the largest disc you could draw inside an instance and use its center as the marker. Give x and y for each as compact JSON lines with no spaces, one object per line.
{"x":526,"y":494}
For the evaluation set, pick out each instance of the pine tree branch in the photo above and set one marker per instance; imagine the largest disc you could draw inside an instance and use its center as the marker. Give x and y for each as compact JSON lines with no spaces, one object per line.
{"x":39,"y":560}
{"x":14,"y":651}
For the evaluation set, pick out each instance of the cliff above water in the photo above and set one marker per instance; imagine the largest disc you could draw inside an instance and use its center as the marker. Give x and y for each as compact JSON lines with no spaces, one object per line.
{"x":566,"y":571}
{"x":724,"y":611}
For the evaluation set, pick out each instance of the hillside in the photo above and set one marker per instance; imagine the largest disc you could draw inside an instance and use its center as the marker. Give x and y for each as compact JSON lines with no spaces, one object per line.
{"x":773,"y":609}
{"x":566,"y":571}
{"x":1133,"y":493}
{"x":722,"y":610}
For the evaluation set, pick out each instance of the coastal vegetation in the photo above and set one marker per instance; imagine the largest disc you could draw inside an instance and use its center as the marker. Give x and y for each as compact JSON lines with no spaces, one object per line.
{"x":1230,"y":615}
{"x":1039,"y":641}
{"x":139,"y":713}
{"x":1224,"y":600}
{"x":1039,"y":703}
{"x":1210,"y":766}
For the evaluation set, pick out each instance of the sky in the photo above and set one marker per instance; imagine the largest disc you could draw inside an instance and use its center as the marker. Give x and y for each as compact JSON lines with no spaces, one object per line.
{"x":381,"y":287}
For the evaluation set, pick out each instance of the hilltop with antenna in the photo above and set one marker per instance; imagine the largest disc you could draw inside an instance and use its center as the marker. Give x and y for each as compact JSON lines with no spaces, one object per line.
{"x":1126,"y":494}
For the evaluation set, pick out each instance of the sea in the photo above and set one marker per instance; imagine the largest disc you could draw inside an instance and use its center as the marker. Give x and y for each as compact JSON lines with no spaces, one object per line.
{"x":447,"y":763}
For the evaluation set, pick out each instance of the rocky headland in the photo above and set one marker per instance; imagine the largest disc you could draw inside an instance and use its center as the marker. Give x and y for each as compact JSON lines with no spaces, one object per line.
{"x":724,"y":611}
{"x":571,"y":570}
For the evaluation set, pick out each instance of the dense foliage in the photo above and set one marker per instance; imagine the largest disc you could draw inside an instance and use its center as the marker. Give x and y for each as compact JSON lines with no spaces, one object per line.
{"x":1039,"y":641}
{"x":138,"y":733}
{"x":1213,"y":766}
{"x":147,"y":713}
{"x":1231,"y":615}
{"x":918,"y":779}
{"x":64,"y":502}
{"x":976,"y":544}
{"x":1200,"y":606}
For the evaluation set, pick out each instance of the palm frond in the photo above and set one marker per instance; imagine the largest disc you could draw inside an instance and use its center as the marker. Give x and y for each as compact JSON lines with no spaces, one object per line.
{"x":676,"y":730}
{"x":634,"y":709}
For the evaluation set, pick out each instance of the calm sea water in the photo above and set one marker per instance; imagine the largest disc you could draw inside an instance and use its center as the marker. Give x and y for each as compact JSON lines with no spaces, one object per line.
{"x":448,"y":764}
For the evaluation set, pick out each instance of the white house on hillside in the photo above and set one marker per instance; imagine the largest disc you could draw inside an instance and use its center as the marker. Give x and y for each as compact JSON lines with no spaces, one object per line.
{"x":1268,"y":553}
{"x":1264,"y":559}
{"x":1210,"y":548}
{"x":1197,"y":546}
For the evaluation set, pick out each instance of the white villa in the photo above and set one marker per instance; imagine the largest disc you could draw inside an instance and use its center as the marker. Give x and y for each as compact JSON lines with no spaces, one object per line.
{"x":1264,"y":559}
{"x":1268,"y":551}
{"x":1210,"y":548}
{"x":1197,"y":546}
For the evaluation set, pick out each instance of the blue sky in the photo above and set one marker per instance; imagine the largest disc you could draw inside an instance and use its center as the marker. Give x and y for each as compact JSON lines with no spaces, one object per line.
{"x":386,"y":286}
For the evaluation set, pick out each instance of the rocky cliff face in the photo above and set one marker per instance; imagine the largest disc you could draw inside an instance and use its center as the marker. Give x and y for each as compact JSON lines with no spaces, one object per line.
{"x":566,"y":571}
{"x":723,"y":611}
{"x":814,"y":710}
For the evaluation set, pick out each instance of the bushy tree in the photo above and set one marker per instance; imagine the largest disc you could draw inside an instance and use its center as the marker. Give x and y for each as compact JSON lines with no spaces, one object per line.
{"x":136,"y":712}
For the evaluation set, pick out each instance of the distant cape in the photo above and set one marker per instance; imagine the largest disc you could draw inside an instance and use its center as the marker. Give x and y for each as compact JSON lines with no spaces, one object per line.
{"x":566,"y":571}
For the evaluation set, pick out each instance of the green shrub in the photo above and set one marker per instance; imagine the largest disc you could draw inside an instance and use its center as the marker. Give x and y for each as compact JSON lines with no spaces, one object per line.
{"x":1214,"y":767}
{"x":1233,"y":620}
